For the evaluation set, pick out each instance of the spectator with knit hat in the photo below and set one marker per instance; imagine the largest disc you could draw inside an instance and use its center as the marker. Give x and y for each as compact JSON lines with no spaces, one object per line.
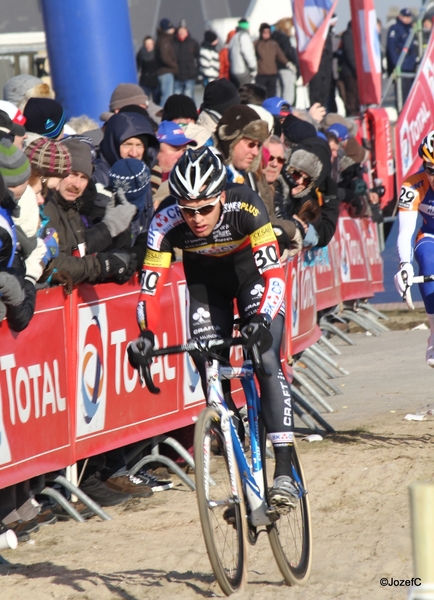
{"x":218,"y":95}
{"x":127,"y":94}
{"x":45,"y":116}
{"x":17,"y":287}
{"x":82,"y":262}
{"x":180,"y":109}
{"x":243,"y":65}
{"x":209,"y":59}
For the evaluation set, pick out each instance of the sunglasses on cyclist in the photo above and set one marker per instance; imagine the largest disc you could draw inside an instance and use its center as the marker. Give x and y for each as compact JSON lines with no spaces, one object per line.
{"x":279,"y":159}
{"x":204,"y":210}
{"x":428,"y":169}
{"x":297,"y":175}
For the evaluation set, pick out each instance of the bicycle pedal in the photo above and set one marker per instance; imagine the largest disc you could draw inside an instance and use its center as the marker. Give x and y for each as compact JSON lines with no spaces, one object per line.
{"x":273,"y":513}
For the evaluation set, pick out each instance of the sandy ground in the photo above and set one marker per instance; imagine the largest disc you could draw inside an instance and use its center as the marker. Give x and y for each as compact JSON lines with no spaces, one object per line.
{"x":358,"y":487}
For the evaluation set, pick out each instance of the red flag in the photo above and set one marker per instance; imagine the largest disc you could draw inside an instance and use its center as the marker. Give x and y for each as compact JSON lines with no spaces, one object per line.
{"x":367,"y":51}
{"x":311,"y":20}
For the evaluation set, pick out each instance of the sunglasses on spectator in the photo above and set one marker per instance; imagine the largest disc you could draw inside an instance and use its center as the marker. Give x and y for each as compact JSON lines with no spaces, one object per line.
{"x":428,"y":169}
{"x":251,"y":144}
{"x":204,"y":210}
{"x":297,"y":175}
{"x":279,"y":159}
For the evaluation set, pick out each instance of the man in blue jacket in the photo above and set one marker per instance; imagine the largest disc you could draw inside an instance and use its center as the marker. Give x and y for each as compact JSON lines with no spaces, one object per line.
{"x":396,"y":38}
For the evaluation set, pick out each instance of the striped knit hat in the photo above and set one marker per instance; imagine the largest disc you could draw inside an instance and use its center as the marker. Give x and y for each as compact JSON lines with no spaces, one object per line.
{"x":14,"y":166}
{"x":133,"y":177}
{"x":44,"y":116}
{"x":49,"y":158}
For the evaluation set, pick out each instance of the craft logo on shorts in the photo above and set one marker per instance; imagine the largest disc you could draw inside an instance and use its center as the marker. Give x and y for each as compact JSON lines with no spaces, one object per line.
{"x":294,"y":295}
{"x":92,"y":369}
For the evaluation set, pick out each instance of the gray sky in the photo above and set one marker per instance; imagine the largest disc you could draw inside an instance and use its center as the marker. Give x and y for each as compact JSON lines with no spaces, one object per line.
{"x":381,"y":6}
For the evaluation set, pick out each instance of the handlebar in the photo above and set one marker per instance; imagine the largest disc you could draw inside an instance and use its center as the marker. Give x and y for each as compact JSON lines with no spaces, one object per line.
{"x":207,"y":349}
{"x":423,"y":278}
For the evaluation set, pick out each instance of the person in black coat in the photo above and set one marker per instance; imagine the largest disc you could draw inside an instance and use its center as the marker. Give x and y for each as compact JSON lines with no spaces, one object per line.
{"x":349,"y":72}
{"x":319,"y":85}
{"x":396,"y":38}
{"x":187,"y":56}
{"x":147,"y":67}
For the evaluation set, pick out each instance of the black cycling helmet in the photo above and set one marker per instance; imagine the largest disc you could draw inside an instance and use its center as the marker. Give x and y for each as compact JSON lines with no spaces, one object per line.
{"x":197,"y":175}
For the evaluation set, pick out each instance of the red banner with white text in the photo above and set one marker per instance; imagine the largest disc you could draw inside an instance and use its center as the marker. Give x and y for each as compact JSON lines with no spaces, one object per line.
{"x":416,"y":118}
{"x":367,"y":51}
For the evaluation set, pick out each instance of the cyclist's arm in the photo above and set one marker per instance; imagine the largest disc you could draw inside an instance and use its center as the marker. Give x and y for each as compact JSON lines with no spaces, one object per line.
{"x":155,"y":271}
{"x":409,"y":200}
{"x":266,"y":254}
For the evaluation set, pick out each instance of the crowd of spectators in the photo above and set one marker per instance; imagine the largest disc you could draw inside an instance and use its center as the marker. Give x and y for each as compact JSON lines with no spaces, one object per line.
{"x":76,"y":199}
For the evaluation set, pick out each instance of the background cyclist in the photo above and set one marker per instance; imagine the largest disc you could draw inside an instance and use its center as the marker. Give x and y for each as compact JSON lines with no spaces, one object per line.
{"x":417,"y":197}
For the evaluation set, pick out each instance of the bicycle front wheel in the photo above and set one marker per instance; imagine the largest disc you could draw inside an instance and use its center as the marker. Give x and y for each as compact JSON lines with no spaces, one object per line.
{"x":223,"y":517}
{"x":291,"y":535}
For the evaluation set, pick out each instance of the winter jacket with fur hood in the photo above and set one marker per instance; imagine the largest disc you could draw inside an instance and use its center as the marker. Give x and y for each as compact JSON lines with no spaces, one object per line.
{"x":313,"y":158}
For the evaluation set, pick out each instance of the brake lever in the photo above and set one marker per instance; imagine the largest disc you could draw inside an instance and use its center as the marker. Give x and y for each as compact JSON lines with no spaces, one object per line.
{"x":258,"y":362}
{"x":146,"y":371}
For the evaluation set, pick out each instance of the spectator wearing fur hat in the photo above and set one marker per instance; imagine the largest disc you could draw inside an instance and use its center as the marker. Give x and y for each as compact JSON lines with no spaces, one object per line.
{"x":240,"y":135}
{"x":187,"y":56}
{"x":209,"y":58}
{"x":269,"y":56}
{"x":17,"y":288}
{"x":243,"y":65}
{"x":218,"y":95}
{"x":167,"y":65}
{"x":80,"y":254}
{"x":309,"y":193}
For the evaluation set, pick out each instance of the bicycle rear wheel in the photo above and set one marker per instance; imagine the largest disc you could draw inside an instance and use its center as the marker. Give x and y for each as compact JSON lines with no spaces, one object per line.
{"x":291,"y":535}
{"x":226,"y":543}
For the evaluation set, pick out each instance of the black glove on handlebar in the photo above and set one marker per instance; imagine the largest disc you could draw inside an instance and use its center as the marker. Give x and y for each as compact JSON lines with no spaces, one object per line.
{"x":139,"y":351}
{"x":257,"y":331}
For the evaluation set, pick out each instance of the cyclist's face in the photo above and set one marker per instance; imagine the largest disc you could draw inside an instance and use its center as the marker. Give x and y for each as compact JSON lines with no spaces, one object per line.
{"x":202,"y":225}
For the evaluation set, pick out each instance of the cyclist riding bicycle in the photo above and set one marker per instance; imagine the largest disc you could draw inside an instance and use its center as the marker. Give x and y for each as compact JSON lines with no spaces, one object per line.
{"x":417,"y":196}
{"x":230,"y":253}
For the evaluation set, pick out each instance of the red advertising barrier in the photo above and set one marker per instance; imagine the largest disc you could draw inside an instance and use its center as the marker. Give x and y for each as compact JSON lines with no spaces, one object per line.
{"x":68,"y":392}
{"x":35,"y":396}
{"x":382,"y":161}
{"x":416,"y":118}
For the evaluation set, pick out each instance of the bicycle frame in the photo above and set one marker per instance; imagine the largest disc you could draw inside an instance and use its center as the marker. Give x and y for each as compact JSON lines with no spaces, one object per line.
{"x":252,"y":477}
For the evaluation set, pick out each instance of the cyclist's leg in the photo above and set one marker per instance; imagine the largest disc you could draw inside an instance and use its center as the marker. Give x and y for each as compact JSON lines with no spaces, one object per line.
{"x":276,"y":405}
{"x":424,"y":255}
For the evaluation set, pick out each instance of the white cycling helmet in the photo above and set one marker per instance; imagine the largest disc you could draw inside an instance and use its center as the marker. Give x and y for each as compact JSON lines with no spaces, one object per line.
{"x":197,"y":175}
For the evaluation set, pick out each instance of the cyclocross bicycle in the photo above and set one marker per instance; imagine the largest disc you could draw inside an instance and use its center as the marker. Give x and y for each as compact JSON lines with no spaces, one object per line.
{"x":232,"y":493}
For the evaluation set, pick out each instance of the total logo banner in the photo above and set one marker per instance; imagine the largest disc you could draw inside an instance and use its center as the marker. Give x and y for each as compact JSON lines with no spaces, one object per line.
{"x":415,"y":120}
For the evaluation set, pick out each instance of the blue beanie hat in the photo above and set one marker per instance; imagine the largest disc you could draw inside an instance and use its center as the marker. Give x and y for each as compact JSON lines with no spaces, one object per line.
{"x":133,"y":177}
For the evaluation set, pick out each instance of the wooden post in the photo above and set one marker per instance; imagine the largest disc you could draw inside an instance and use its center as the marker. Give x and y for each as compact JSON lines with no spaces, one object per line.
{"x":422,"y":524}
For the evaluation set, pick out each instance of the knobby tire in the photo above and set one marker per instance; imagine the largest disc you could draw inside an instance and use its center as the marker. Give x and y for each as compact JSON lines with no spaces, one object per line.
{"x":226,"y":545}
